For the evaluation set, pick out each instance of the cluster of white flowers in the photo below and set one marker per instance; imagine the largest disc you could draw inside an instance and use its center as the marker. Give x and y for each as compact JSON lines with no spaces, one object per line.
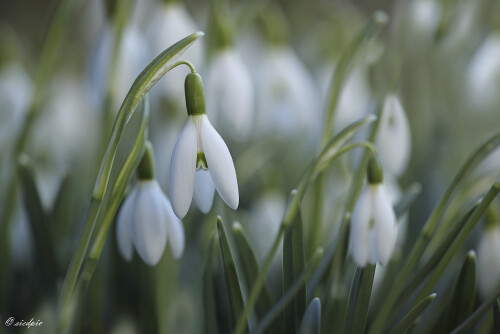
{"x":147,"y":217}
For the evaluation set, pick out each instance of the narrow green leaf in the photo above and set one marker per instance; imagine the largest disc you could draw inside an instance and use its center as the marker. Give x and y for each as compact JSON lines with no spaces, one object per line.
{"x":311,"y":322}
{"x":208,"y":288}
{"x":290,"y":293}
{"x":359,"y":299}
{"x":496,"y":317}
{"x":464,"y":295}
{"x":251,"y":269}
{"x":432,"y":262}
{"x":293,"y":266}
{"x":409,"y":319}
{"x":232,"y":282}
{"x":474,"y":317}
{"x":38,"y":219}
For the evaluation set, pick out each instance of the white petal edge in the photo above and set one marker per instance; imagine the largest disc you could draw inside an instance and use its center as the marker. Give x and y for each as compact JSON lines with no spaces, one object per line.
{"x":123,"y":226}
{"x":182,"y":169}
{"x":385,"y":224}
{"x":204,"y":190}
{"x":359,"y":236}
{"x":176,"y":235}
{"x":150,"y":223}
{"x":220,"y":164}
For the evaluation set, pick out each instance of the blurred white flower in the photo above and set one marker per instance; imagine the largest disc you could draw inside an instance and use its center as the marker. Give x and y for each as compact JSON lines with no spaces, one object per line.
{"x":16,"y":90}
{"x":145,"y":220}
{"x":230,"y":94}
{"x":394,"y":137}
{"x":354,"y":99}
{"x":133,"y":57}
{"x":170,"y":23}
{"x":287,"y":96}
{"x":373,"y":227}
{"x":483,"y":72}
{"x":424,"y":16}
{"x":66,"y":134}
{"x":200,"y":147}
{"x":488,"y":261}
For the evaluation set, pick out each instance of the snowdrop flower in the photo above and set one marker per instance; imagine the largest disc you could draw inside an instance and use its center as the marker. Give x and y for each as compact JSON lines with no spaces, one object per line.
{"x":170,"y":23}
{"x":198,"y":149}
{"x":146,"y":219}
{"x":424,"y":16}
{"x":230,"y":94}
{"x":16,"y":90}
{"x":488,"y":262}
{"x":483,"y":72}
{"x":287,"y":94}
{"x":394,"y":137}
{"x":133,"y":56}
{"x":373,"y":226}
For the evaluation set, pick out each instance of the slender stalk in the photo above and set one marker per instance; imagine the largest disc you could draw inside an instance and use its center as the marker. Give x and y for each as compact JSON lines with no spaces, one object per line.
{"x":143,"y":83}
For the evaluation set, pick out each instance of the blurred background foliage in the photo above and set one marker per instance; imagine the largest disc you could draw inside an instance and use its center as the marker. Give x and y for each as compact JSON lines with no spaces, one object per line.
{"x":427,"y":54}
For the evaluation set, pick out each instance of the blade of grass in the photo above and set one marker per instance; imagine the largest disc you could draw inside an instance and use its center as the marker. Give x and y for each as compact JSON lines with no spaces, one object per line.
{"x":39,"y":223}
{"x":409,"y":319}
{"x":232,"y":281}
{"x":359,"y":300}
{"x":293,"y":266}
{"x":251,"y":269}
{"x":311,"y":322}
{"x":462,"y":303}
{"x":290,"y":293}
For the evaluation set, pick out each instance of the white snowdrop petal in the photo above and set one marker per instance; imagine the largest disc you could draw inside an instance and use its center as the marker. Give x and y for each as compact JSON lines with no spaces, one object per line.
{"x":488,"y":262}
{"x":359,"y":236}
{"x":230,"y":95}
{"x":150,"y":226}
{"x":123,"y":226}
{"x":384,"y":224}
{"x":220,"y":164}
{"x":182,"y":170}
{"x":394,"y":137}
{"x":175,"y":234}
{"x":204,"y":190}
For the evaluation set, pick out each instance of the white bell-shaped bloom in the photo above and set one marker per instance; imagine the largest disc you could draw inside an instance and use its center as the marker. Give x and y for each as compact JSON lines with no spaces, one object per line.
{"x":287,"y":96}
{"x":488,"y":261}
{"x":394,"y":137}
{"x":144,"y":222}
{"x":170,"y":23}
{"x":373,"y":227}
{"x":16,"y":90}
{"x":133,"y":57}
{"x":483,"y":72}
{"x":424,"y":16}
{"x":230,"y":94}
{"x":200,"y":147}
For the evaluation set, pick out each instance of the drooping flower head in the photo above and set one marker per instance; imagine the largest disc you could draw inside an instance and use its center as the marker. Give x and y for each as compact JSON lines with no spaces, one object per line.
{"x":373,"y":226}
{"x":146,"y":219}
{"x":394,"y":137}
{"x":200,"y":149}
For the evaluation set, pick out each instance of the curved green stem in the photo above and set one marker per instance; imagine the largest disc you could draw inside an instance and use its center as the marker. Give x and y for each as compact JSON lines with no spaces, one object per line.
{"x":148,"y":77}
